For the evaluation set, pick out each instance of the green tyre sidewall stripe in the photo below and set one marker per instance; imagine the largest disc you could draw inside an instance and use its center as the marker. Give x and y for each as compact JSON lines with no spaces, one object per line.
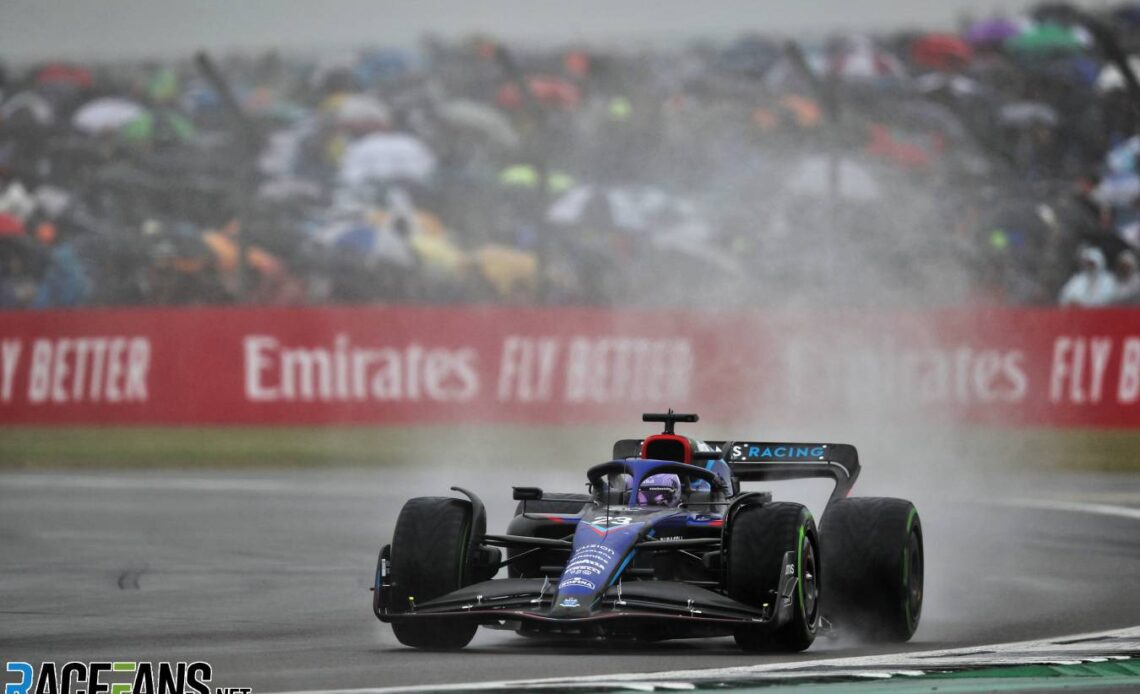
{"x":906,"y":563}
{"x":800,"y":567}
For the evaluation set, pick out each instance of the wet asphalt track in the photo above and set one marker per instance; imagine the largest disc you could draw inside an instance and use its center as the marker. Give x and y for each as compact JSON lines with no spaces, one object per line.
{"x":265,"y":575}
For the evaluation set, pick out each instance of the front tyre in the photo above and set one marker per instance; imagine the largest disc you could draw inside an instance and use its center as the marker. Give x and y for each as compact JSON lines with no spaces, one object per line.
{"x":759,"y":538}
{"x":874,"y":555}
{"x":429,"y":559}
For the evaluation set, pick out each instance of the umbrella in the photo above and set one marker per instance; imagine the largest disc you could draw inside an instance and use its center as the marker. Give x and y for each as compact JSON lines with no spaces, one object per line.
{"x":812,"y":176}
{"x":61,"y":74}
{"x":941,"y":51}
{"x":16,"y":201}
{"x":386,"y":156}
{"x":1119,"y":190}
{"x":1122,"y":157}
{"x":861,"y":61}
{"x":1110,"y":77}
{"x":462,"y":114}
{"x":106,"y":114}
{"x":11,"y":225}
{"x":994,"y":31}
{"x":358,"y":112}
{"x":27,"y":107}
{"x":1028,"y":113}
{"x":1046,"y":38}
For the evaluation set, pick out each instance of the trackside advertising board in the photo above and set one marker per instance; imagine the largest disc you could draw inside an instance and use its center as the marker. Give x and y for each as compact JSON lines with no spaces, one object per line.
{"x":431,"y":365}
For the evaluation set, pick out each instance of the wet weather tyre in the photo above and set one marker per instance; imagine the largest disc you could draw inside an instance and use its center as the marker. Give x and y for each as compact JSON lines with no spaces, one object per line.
{"x":873,"y":552}
{"x":759,"y":539}
{"x":565,"y":503}
{"x":429,"y":559}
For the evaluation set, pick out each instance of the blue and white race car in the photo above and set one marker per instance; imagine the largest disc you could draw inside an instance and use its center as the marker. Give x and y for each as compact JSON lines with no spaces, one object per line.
{"x":665,"y":545}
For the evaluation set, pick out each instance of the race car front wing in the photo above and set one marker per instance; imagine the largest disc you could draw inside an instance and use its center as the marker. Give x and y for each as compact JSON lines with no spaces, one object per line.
{"x":528,"y":602}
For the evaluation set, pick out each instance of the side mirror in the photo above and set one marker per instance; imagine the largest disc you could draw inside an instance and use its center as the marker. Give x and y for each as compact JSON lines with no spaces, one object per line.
{"x":526,"y":493}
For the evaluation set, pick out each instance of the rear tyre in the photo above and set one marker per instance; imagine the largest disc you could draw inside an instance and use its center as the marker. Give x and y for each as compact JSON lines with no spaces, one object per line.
{"x":429,"y":559}
{"x":566,"y":503}
{"x":873,"y":551}
{"x":760,"y":537}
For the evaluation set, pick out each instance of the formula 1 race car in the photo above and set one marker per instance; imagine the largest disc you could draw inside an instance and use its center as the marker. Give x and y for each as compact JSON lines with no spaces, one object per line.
{"x":665,"y":545}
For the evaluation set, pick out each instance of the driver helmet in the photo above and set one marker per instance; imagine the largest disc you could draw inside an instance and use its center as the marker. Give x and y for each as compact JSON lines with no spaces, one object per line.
{"x":660,"y":490}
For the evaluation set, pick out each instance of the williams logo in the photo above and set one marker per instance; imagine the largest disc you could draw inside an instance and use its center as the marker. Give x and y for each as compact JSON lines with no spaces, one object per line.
{"x":569,"y":602}
{"x":115,"y":678}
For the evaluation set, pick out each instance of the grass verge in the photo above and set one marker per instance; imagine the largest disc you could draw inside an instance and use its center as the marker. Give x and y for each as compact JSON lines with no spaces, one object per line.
{"x":38,"y":447}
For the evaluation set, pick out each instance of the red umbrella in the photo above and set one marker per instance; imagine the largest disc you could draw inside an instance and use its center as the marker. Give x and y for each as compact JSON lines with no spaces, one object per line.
{"x":64,"y":74}
{"x":941,"y":52}
{"x":10,"y":225}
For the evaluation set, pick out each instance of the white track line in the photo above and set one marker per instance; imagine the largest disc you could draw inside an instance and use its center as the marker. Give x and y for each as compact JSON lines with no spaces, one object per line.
{"x":1059,"y":650}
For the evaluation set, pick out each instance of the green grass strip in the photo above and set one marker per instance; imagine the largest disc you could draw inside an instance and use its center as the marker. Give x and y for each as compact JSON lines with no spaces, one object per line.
{"x":31,"y":447}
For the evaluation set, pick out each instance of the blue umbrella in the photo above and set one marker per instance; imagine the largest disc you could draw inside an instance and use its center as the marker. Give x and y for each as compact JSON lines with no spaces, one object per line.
{"x":992,"y":31}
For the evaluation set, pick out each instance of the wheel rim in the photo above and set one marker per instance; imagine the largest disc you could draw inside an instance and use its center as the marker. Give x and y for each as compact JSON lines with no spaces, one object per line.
{"x":914,"y":578}
{"x":810,"y":579}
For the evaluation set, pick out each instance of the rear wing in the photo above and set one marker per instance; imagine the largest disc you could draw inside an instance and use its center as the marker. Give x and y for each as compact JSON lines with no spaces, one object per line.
{"x":759,"y":461}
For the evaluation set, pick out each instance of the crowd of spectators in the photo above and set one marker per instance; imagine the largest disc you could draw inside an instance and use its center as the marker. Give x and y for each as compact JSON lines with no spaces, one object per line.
{"x":996,"y":166}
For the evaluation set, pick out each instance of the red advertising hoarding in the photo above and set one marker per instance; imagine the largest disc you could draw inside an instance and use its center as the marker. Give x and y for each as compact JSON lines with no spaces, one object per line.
{"x":409,"y":365}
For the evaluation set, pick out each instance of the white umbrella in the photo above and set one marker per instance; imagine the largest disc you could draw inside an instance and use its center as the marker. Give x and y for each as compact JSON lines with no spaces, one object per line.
{"x":106,"y":114}
{"x":1122,"y":158}
{"x":361,"y":111}
{"x":386,"y":156}
{"x":863,"y":60}
{"x":16,"y":201}
{"x":33,"y":104}
{"x":812,"y":177}
{"x":1118,"y":191}
{"x":462,"y":114}
{"x":1111,"y":78}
